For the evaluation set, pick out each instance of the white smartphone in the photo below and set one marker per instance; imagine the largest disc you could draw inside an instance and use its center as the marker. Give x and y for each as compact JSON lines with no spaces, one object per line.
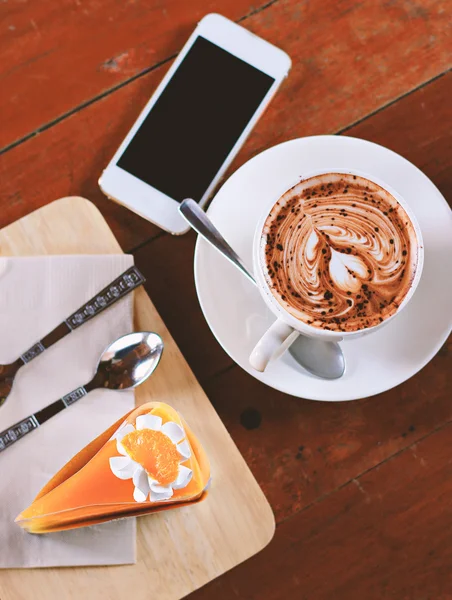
{"x":195,"y":123}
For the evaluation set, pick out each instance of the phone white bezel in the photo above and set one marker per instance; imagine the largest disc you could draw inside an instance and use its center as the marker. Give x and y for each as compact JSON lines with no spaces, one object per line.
{"x":147,"y":201}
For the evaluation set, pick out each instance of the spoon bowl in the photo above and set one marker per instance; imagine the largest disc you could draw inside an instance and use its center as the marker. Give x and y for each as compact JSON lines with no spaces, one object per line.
{"x":128,"y":361}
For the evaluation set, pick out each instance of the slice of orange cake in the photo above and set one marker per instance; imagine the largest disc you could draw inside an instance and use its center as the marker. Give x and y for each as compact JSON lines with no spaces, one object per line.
{"x":150,"y":461}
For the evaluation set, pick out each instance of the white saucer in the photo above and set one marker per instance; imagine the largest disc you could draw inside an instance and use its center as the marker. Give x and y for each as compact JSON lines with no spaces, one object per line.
{"x":238,"y":316}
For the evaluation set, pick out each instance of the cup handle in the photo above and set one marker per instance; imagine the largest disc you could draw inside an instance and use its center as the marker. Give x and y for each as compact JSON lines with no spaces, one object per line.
{"x":272,"y":344}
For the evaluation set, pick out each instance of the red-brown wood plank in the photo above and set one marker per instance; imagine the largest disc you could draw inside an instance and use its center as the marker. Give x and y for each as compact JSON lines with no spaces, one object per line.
{"x":167,"y":263}
{"x":56,"y":56}
{"x":420,"y":128}
{"x":384,"y":535}
{"x":300,"y":450}
{"x":67,"y":160}
{"x":349,"y":57}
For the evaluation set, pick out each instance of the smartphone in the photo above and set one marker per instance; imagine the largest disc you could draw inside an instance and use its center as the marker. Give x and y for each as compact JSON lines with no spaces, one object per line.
{"x":195,"y":123}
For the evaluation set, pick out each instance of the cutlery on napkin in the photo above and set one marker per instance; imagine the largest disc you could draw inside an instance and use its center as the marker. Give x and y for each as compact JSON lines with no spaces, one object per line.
{"x":112,"y":293}
{"x":125,"y":364}
{"x":36,"y":294}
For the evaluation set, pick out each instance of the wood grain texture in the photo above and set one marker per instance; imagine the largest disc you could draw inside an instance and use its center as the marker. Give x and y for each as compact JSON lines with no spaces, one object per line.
{"x":384,"y":535}
{"x":336,"y":79}
{"x":69,"y":158}
{"x":300,"y":450}
{"x":420,"y":128}
{"x":167,"y":263}
{"x":339,"y":50}
{"x":349,"y":59}
{"x":180,"y":550}
{"x":69,"y":53}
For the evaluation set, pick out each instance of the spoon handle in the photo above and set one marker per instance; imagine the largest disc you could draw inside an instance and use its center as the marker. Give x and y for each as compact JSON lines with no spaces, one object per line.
{"x":117,"y":289}
{"x":201,"y":223}
{"x":19,"y":430}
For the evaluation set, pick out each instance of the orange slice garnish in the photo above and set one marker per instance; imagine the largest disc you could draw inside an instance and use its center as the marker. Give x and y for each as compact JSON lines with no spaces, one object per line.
{"x":155,"y":452}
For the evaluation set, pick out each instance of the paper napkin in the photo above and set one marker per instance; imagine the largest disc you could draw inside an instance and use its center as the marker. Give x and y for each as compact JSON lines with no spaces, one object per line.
{"x":36,"y":294}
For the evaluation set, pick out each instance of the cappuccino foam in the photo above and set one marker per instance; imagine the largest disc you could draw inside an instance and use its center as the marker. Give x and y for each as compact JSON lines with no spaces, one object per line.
{"x":339,"y":252}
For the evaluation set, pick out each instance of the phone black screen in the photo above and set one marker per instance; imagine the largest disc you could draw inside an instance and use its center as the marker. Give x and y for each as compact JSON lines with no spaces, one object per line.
{"x":195,"y":122}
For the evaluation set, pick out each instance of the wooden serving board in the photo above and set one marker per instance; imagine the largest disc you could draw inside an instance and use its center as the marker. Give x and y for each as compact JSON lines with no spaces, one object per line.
{"x":178,"y":551}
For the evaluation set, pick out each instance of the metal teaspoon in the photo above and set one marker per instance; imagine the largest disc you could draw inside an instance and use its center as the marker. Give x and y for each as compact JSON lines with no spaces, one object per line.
{"x":116,"y":290}
{"x":125,"y":364}
{"x":323,"y":359}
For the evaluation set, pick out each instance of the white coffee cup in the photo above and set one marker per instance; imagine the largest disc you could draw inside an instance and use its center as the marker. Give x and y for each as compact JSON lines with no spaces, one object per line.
{"x":282,"y":333}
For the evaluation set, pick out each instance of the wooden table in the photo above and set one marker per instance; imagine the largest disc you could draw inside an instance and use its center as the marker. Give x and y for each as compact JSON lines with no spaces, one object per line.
{"x":362,"y":491}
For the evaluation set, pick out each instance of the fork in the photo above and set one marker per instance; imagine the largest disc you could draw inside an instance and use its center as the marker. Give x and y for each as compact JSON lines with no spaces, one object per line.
{"x":117,"y":289}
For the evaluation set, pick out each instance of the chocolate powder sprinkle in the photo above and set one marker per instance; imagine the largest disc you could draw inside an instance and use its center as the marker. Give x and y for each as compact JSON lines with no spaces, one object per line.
{"x":306,"y":284}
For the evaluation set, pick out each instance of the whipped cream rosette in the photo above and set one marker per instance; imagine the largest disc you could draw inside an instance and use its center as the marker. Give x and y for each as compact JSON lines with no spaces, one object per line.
{"x":146,"y":462}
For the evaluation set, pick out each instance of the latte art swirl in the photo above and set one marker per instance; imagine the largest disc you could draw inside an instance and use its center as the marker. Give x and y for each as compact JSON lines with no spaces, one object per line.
{"x":339,"y":252}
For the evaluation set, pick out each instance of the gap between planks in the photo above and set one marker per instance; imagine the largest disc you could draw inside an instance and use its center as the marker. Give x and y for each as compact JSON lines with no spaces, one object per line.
{"x":357,"y":477}
{"x":164,"y":61}
{"x":114,"y":88}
